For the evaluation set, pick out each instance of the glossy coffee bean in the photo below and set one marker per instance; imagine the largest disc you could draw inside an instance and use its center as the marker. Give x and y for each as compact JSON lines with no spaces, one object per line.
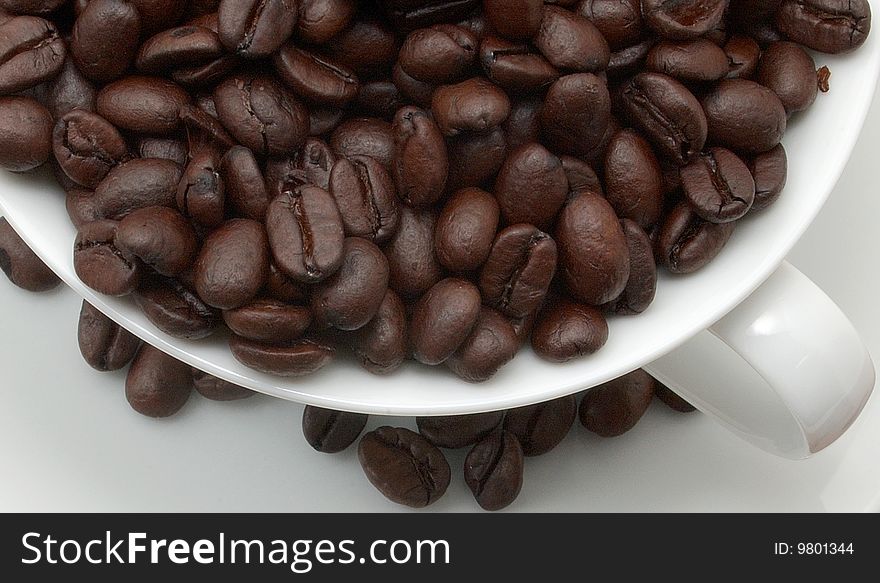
{"x":420,"y":164}
{"x":21,"y":265}
{"x":177,"y":48}
{"x":157,"y":15}
{"x":216,"y":389}
{"x":148,"y":105}
{"x":321,"y":20}
{"x":641,"y":286}
{"x":687,"y":243}
{"x":70,"y":90}
{"x":160,"y":237}
{"x":409,"y":14}
{"x":157,"y":385}
{"x":491,"y":344}
{"x":475,"y":105}
{"x":366,"y":198}
{"x":379,"y":99}
{"x":418,"y":92}
{"x":135,"y":184}
{"x":368,"y":46}
{"x":770,"y":171}
{"x":719,"y":186}
{"x":576,"y":113}
{"x":175,"y":309}
{"x":540,"y":428}
{"x":382,"y":345}
{"x":531,"y":186}
{"x":517,"y":19}
{"x":310,"y":165}
{"x":466,"y":230}
{"x":671,"y":400}
{"x":683,"y":20}
{"x":314,"y":77}
{"x":744,"y":116}
{"x":633,"y":179}
{"x":105,"y":38}
{"x":300,"y":358}
{"x":566,"y":330}
{"x":331,"y":431}
{"x":516,"y":67}
{"x":580,"y":175}
{"x":31,"y":52}
{"x":364,"y":137}
{"x":233,"y":264}
{"x":443,"y":319}
{"x":268,"y":321}
{"x":26,"y":127}
{"x":100,"y":264}
{"x":404,"y":466}
{"x":256,"y":28}
{"x":695,"y":60}
{"x":789,"y":71}
{"x":244,"y":184}
{"x":458,"y":431}
{"x":31,"y":6}
{"x":104,"y":344}
{"x":571,"y":42}
{"x":493,"y":470}
{"x":87,"y":147}
{"x":475,"y":158}
{"x":829,"y":26}
{"x":615,"y":407}
{"x":201,"y":192}
{"x":412,"y":261}
{"x":80,"y":207}
{"x":743,"y":54}
{"x":519,"y":270}
{"x":173,"y":149}
{"x":619,"y":21}
{"x":440,"y":54}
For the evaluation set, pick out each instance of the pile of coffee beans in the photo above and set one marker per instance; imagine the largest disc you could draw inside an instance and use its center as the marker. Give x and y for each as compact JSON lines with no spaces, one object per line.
{"x":443,"y":181}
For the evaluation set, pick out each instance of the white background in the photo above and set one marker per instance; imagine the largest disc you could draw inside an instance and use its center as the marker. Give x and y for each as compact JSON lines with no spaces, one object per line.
{"x":69,"y":441}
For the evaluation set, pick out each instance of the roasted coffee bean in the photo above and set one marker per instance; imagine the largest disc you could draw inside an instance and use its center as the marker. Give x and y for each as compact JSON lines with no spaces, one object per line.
{"x":668,"y":114}
{"x":531,"y":186}
{"x":233,"y":264}
{"x":160,"y":237}
{"x":379,"y":99}
{"x":687,"y":243}
{"x":671,"y":400}
{"x":412,"y":14}
{"x":458,"y":431}
{"x":368,"y":47}
{"x":412,"y":260}
{"x":628,"y":60}
{"x":466,"y":230}
{"x":158,"y":15}
{"x":743,"y":54}
{"x":493,"y":470}
{"x":524,"y":124}
{"x":695,"y":60}
{"x":26,"y":127}
{"x":540,"y":428}
{"x":642,"y":283}
{"x":87,"y":147}
{"x":619,"y":21}
{"x":331,"y":431}
{"x":789,"y":71}
{"x":201,"y":194}
{"x":492,"y":344}
{"x":31,"y":51}
{"x":382,"y":345}
{"x":204,"y":131}
{"x":404,"y":466}
{"x":770,"y":171}
{"x":135,"y":184}
{"x":100,"y":264}
{"x":216,"y":389}
{"x":305,"y":233}
{"x":20,"y":264}
{"x":173,"y":149}
{"x":244,"y":184}
{"x":420,"y":164}
{"x":80,"y":206}
{"x":571,"y":42}
{"x":593,"y":256}
{"x":683,"y":20}
{"x":440,"y":54}
{"x":744,"y":116}
{"x":519,"y":270}
{"x":364,"y":137}
{"x":70,"y":90}
{"x":321,"y":20}
{"x":756,"y":19}
{"x":516,"y":67}
{"x":419,"y":92}
{"x":105,"y":39}
{"x":829,"y":26}
{"x":515,"y":19}
{"x":31,"y":6}
{"x":566,"y":330}
{"x":176,"y":48}
{"x":719,"y":186}
{"x":315,"y":77}
{"x":615,"y":407}
{"x":175,"y":309}
{"x":443,"y":319}
{"x":269,"y":321}
{"x":256,"y":28}
{"x":104,"y":344}
{"x":310,"y":165}
{"x":475,"y":158}
{"x":633,"y":179}
{"x":157,"y":385}
{"x":147,"y":105}
{"x":475,"y":105}
{"x":283,"y":289}
{"x":366,"y":198}
{"x":580,"y":175}
{"x":300,"y":358}
{"x":576,"y":113}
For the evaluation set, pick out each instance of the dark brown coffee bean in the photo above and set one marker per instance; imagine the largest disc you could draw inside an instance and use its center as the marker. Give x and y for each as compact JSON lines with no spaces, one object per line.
{"x":580,"y":175}
{"x":268,"y":321}
{"x":540,"y":428}
{"x":687,"y":243}
{"x":571,"y":42}
{"x":233,"y":264}
{"x":21,"y":265}
{"x":789,"y":71}
{"x":80,"y":206}
{"x":516,"y":19}
{"x":440,"y":54}
{"x":615,"y":407}
{"x":306,"y":233}
{"x":283,"y":289}
{"x":420,"y":164}
{"x":157,"y":385}
{"x":323,"y":121}
{"x":493,"y":471}
{"x":403,"y":466}
{"x":26,"y":127}
{"x":642,"y":283}
{"x":100,"y":264}
{"x":176,"y":48}
{"x":492,"y":344}
{"x":419,"y":92}
{"x":719,"y":186}
{"x":315,"y":77}
{"x":300,"y":358}
{"x":216,"y":389}
{"x":379,"y":99}
{"x":576,"y":113}
{"x":683,"y":20}
{"x":593,"y":256}
{"x":770,"y":171}
{"x":412,"y":14}
{"x":443,"y":319}
{"x":256,"y":28}
{"x":412,"y":261}
{"x":368,"y":47}
{"x":566,"y":330}
{"x":321,"y":20}
{"x":458,"y":431}
{"x":516,"y":67}
{"x":475,"y":105}
{"x":31,"y":6}
{"x":519,"y":270}
{"x":310,"y":165}
{"x":174,"y":309}
{"x":105,"y":39}
{"x":201,"y":194}
{"x":104,"y":344}
{"x":633,"y":179}
{"x":160,"y":237}
{"x":466,"y":230}
{"x":364,"y":137}
{"x":743,"y":54}
{"x":331,"y":431}
{"x":744,"y":116}
{"x":137,"y":183}
{"x":695,"y":60}
{"x":158,"y":15}
{"x":829,"y":26}
{"x":671,"y":400}
{"x":619,"y":21}
{"x":147,"y":105}
{"x":87,"y":147}
{"x":244,"y":184}
{"x":366,"y":198}
{"x":204,"y":130}
{"x":382,"y":345}
{"x":173,"y":149}
{"x":70,"y":90}
{"x":31,"y":52}
{"x":629,"y":60}
{"x":531,"y":186}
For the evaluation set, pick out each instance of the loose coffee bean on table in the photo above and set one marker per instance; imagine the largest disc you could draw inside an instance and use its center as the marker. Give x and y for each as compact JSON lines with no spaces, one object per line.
{"x":104,"y":344}
{"x":457,"y":431}
{"x":157,"y":385}
{"x":493,"y":470}
{"x":21,"y":265}
{"x":330,"y":431}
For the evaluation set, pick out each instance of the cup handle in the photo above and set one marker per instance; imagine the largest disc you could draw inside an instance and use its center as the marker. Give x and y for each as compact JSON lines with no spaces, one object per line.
{"x":785,"y":370}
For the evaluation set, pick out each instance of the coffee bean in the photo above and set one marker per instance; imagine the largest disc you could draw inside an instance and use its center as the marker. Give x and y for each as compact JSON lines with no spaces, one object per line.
{"x":443,"y":319}
{"x":216,"y":389}
{"x":382,"y":345}
{"x":368,"y":46}
{"x":531,"y":186}
{"x":789,"y":71}
{"x":829,"y":26}
{"x":364,"y":137}
{"x":159,"y":14}
{"x":148,"y":105}
{"x":566,"y":330}
{"x":491,"y":344}
{"x":474,"y":105}
{"x":770,"y":171}
{"x":315,"y":77}
{"x":615,"y":407}
{"x":70,"y":90}
{"x":629,"y":60}
{"x":619,"y":21}
{"x":515,"y":19}
{"x":744,"y":116}
{"x":687,"y":243}
{"x":100,"y":264}
{"x":743,"y":54}
{"x":475,"y":158}
{"x":26,"y":127}
{"x":135,"y":184}
{"x":178,"y":48}
{"x":160,"y":237}
{"x":201,"y":193}
{"x":409,"y":15}
{"x":517,"y":67}
{"x":719,"y":186}
{"x":157,"y":385}
{"x":403,"y":466}
{"x":310,"y":165}
{"x":466,"y":230}
{"x":633,"y":179}
{"x":173,"y":149}
{"x":642,"y":283}
{"x":80,"y":206}
{"x":300,"y":358}
{"x":21,"y":265}
{"x":87,"y":147}
{"x":244,"y":184}
{"x":493,"y":470}
{"x":365,"y":197}
{"x":420,"y":165}
{"x":321,"y":20}
{"x":104,"y":344}
{"x":256,"y":28}
{"x":576,"y":113}
{"x":331,"y":431}
{"x":31,"y":6}
{"x":580,"y":175}
{"x":105,"y":38}
{"x":412,"y":262}
{"x":440,"y":54}
{"x":175,"y":309}
{"x":683,"y":20}
{"x":31,"y":52}
{"x":378,"y":99}
{"x":671,"y":400}
{"x":268,"y":320}
{"x":571,"y":42}
{"x":540,"y":428}
{"x":695,"y":60}
{"x":233,"y":264}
